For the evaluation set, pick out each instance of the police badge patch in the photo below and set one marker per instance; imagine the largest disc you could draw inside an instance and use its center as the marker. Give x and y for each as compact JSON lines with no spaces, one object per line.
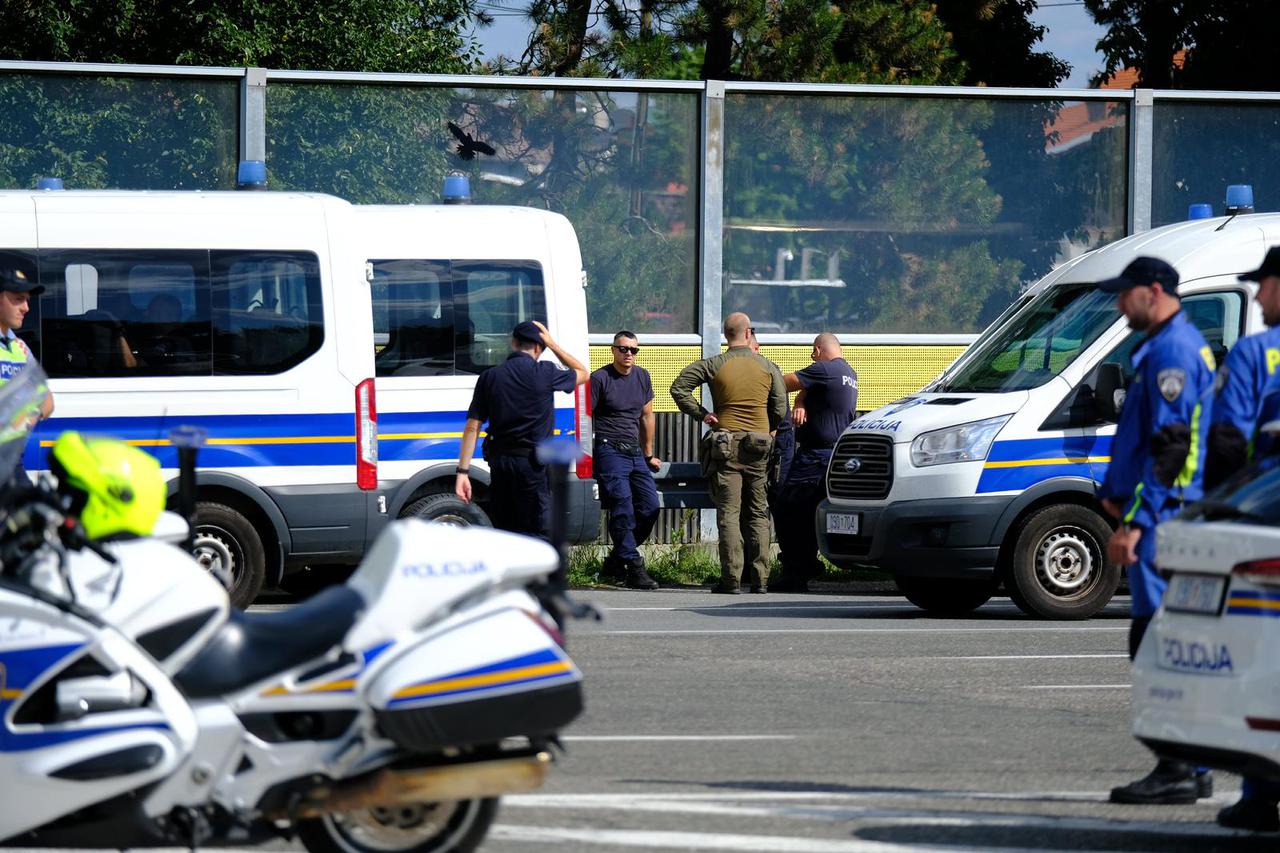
{"x":1171,"y":382}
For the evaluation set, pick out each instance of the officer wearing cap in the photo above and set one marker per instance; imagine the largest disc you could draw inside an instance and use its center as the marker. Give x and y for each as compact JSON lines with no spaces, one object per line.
{"x":16,"y":290}
{"x":1242,"y":380}
{"x":1157,"y":464}
{"x":517,"y":398}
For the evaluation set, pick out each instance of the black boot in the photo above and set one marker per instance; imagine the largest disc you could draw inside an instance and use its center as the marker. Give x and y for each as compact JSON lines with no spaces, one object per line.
{"x":1171,"y":783}
{"x":613,"y":567}
{"x":1256,"y":814}
{"x":637,"y":577}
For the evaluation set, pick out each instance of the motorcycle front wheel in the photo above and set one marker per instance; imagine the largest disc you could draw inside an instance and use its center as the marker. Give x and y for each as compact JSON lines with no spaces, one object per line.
{"x":444,"y":827}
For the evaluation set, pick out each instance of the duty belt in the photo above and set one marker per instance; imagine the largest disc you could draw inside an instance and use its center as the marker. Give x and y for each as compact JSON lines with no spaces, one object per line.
{"x":620,"y":445}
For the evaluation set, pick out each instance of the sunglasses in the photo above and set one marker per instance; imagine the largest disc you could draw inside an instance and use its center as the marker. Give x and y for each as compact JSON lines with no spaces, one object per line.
{"x":627,"y":350}
{"x":751,"y":329}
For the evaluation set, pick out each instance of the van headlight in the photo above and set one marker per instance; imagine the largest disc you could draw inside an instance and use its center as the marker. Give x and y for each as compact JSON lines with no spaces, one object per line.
{"x":962,"y":443}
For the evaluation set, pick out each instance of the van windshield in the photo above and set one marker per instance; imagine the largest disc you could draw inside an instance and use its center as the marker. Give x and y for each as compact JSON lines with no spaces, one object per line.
{"x":1038,"y":342}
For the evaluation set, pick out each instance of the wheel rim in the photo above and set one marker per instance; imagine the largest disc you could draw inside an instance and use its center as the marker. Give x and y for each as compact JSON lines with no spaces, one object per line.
{"x":453,"y":519}
{"x":215,"y":550}
{"x":1067,"y":562}
{"x":423,"y":826}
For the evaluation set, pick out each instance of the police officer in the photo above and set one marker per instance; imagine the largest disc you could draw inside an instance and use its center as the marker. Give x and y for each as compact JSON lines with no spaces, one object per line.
{"x":826,"y":405}
{"x":1157,"y":464}
{"x":1238,"y":413}
{"x":750,"y":401}
{"x":517,"y":399}
{"x":622,"y":422}
{"x":16,"y":290}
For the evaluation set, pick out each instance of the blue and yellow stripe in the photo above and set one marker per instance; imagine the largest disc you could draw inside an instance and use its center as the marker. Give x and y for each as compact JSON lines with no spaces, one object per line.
{"x":347,"y":684}
{"x":546,"y":665}
{"x":1016,"y":465}
{"x":1254,"y":602}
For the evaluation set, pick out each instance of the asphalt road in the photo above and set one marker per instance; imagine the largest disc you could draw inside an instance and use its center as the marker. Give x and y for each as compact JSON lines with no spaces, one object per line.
{"x":849,"y":723}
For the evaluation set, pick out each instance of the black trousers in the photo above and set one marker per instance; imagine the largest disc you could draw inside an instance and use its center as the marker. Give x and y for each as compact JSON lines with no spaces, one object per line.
{"x":520,"y":495}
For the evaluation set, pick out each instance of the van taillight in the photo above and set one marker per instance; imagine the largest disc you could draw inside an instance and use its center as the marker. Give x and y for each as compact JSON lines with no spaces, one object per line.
{"x":366,"y":436}
{"x":582,"y":426}
{"x":1262,"y":571}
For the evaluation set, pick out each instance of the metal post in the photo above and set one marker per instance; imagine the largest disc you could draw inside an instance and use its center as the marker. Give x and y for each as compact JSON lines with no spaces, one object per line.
{"x":1141,"y":131}
{"x":253,"y":114}
{"x":711,"y":241}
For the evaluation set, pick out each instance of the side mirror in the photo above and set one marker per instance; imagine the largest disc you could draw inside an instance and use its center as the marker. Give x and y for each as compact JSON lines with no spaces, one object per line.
{"x":1108,"y":395}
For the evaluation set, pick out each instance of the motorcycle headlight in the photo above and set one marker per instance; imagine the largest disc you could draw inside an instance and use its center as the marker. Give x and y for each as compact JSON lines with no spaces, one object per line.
{"x":961,"y":443}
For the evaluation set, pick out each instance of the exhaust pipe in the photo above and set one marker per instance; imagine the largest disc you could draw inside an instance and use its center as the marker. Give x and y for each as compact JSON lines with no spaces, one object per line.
{"x":426,"y":785}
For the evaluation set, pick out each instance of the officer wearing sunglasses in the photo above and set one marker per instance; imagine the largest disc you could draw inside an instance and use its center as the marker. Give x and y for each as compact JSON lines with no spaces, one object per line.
{"x":622,"y":422}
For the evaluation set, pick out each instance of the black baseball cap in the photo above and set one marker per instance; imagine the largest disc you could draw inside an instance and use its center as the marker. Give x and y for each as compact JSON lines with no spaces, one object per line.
{"x":19,"y":282}
{"x":1270,"y":266}
{"x":527,"y":331}
{"x":1142,"y":272}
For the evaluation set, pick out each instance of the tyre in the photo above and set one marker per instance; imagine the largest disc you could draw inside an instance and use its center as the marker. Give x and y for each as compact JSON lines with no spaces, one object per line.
{"x":446,"y":827}
{"x":447,"y":509}
{"x":228,"y":546}
{"x":1058,"y":569}
{"x":947,"y":596}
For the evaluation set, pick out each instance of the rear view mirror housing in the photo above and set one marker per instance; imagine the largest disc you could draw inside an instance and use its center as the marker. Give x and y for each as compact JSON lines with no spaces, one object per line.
{"x":1110,"y":391}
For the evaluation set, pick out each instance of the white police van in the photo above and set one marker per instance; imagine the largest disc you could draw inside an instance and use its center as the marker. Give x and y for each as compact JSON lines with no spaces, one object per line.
{"x":988,"y":475}
{"x":329,"y":350}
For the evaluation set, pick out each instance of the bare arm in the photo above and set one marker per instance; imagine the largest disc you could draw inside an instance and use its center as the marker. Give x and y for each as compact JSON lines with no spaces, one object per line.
{"x":648,"y":423}
{"x":462,"y":482}
{"x":792,"y":381}
{"x":798,"y":412}
{"x":566,"y":358}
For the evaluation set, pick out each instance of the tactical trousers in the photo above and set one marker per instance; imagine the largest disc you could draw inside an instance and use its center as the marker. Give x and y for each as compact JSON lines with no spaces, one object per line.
{"x":738,"y":491}
{"x":794,"y":511}
{"x":628,"y":493}
{"x":520,"y":495}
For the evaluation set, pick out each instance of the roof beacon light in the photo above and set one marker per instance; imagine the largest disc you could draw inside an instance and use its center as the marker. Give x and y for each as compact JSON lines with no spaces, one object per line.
{"x":251,"y":175}
{"x":1239,"y":199}
{"x":457,"y":189}
{"x":1200,"y":210}
{"x":49,"y":183}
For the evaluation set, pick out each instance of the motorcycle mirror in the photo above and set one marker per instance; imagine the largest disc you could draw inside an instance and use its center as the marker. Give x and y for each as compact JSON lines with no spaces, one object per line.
{"x":188,"y":439}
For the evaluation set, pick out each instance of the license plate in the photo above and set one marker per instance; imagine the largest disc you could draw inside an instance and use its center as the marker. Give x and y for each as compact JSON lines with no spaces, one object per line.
{"x":1195,"y":594}
{"x":843,"y":522}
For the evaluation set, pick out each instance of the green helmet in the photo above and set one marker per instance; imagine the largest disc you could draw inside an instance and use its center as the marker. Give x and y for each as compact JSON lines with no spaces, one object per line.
{"x":115,"y":489}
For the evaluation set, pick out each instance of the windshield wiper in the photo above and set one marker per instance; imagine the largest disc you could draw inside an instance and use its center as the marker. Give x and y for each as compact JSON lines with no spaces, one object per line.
{"x":1217,"y":510}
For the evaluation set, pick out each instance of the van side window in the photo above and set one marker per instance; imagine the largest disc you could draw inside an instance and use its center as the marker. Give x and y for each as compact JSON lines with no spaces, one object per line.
{"x":490,"y":298}
{"x":118,"y":313}
{"x":267,"y":310}
{"x":413,"y":329}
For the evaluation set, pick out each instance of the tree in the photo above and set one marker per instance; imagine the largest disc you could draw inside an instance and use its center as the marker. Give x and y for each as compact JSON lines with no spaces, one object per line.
{"x":997,"y":41}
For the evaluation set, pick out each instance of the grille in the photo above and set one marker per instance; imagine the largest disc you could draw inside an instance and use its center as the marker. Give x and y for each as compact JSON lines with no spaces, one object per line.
{"x":875,"y":476}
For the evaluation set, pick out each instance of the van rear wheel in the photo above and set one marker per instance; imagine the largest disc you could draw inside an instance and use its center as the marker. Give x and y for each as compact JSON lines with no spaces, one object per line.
{"x":228,"y":546}
{"x":447,"y":509}
{"x":1059,"y":568}
{"x":946,"y":596}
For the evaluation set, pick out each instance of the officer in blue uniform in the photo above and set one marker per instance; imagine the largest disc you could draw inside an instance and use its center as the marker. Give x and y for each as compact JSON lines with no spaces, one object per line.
{"x":1157,"y":464}
{"x":1242,"y":380}
{"x":517,"y":398}
{"x":1248,"y":396}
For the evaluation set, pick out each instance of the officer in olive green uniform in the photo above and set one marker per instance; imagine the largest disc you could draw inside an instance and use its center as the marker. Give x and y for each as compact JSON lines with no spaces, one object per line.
{"x":749,"y":401}
{"x":16,"y":290}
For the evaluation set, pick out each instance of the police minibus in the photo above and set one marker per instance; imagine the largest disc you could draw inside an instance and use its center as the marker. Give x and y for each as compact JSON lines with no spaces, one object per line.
{"x":328,"y":350}
{"x":988,"y":475}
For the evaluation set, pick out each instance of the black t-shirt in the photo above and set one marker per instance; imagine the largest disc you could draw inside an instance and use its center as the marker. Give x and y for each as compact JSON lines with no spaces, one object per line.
{"x":515,"y":398}
{"x":831,"y":396}
{"x":617,"y":402}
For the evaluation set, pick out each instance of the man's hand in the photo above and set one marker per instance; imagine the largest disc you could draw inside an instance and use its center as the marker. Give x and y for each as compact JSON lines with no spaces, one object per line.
{"x":654,"y":463}
{"x":799,"y":416}
{"x":462,"y":487}
{"x":1112,"y":508}
{"x":711,"y":420}
{"x":546,"y":336}
{"x":1122,"y":547}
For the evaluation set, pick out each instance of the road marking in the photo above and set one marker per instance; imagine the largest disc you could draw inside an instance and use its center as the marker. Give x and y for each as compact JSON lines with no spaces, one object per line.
{"x":1005,"y":629}
{"x":652,"y":839}
{"x":758,"y":608}
{"x":1022,"y":657}
{"x":1076,"y":686}
{"x":677,"y":738}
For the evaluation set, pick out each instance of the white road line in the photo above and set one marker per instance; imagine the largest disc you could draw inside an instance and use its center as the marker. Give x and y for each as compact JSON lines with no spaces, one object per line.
{"x":1020,"y":657}
{"x":674,"y":738}
{"x":1076,"y":686}
{"x":759,"y":608}
{"x":931,"y":630}
{"x":656,"y":840}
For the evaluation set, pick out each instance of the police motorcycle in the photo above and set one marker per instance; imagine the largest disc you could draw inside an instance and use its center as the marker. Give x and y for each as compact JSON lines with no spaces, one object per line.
{"x":139,"y":709}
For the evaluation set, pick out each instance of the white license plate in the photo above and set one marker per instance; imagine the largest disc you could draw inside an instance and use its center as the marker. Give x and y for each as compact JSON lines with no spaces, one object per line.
{"x":1195,"y":594}
{"x":843,"y":522}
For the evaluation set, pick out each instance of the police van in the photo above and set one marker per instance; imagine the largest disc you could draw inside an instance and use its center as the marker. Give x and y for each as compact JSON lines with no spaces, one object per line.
{"x":328,"y":351}
{"x":988,"y":475}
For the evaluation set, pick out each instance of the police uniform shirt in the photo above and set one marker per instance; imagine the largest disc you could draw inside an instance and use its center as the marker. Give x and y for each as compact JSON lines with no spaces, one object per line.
{"x":831,"y":396}
{"x":13,"y":356}
{"x":515,"y":398}
{"x":1239,"y":387}
{"x":1265,"y":443}
{"x":1157,"y":457}
{"x":618,"y":401}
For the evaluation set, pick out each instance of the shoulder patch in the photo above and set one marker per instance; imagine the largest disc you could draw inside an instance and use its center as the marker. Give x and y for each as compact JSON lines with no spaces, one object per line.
{"x":1207,"y":355}
{"x":1171,"y":381}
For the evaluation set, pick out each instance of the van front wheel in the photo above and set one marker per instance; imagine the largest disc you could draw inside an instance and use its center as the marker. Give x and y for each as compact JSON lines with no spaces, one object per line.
{"x":229,"y":547}
{"x":1059,"y":568}
{"x":946,"y":596}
